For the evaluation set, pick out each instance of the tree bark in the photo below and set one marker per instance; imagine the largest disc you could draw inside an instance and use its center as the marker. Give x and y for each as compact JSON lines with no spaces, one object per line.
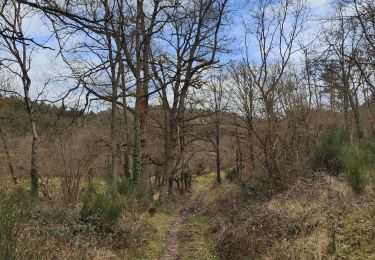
{"x":34,"y":147}
{"x":9,"y":159}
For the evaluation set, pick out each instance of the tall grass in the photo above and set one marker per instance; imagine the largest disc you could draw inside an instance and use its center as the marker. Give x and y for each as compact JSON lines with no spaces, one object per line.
{"x":13,"y":209}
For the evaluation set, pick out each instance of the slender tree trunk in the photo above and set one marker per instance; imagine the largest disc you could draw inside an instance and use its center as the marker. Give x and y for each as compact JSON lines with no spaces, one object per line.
{"x":170,"y":147}
{"x":114,"y":84}
{"x":218,"y":157}
{"x":9,"y":159}
{"x":218,"y":165}
{"x":127,"y":134}
{"x":250,"y":129}
{"x":113,"y":134}
{"x":34,"y":147}
{"x":238,"y":152}
{"x":356,"y":117}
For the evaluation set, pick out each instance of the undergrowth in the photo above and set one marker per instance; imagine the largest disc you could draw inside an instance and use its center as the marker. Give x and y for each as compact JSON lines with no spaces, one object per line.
{"x":14,"y":208}
{"x":327,"y":150}
{"x":334,"y":153}
{"x":359,"y":163}
{"x":101,"y":208}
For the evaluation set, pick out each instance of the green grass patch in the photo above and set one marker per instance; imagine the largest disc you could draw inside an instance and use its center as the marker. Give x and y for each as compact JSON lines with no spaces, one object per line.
{"x":156,"y":240}
{"x":195,"y":241}
{"x":356,"y":233}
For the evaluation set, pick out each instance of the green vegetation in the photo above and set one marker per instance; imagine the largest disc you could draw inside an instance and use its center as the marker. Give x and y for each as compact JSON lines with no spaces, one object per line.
{"x":231,"y":174}
{"x":14,"y":207}
{"x":195,"y":241}
{"x":355,"y":234}
{"x":359,"y":161}
{"x":101,"y":208}
{"x":335,"y":153}
{"x":158,"y":228}
{"x":125,"y":186}
{"x":327,"y":151}
{"x":51,"y":119}
{"x":115,"y":131}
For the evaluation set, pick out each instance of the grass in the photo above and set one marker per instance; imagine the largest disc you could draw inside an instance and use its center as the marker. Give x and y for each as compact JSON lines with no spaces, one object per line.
{"x":195,"y":241}
{"x":202,"y":183}
{"x":311,"y":207}
{"x":160,"y":224}
{"x":356,"y":232}
{"x":137,"y":235}
{"x":354,"y":235}
{"x":308,"y":205}
{"x":155,"y":227}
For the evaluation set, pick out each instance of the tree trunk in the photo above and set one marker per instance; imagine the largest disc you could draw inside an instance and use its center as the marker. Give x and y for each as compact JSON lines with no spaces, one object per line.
{"x":7,"y":153}
{"x":218,"y":167}
{"x":356,"y":117}
{"x":34,"y":146}
{"x":127,"y":150}
{"x":171,"y":142}
{"x":113,"y":134}
{"x":218,"y":158}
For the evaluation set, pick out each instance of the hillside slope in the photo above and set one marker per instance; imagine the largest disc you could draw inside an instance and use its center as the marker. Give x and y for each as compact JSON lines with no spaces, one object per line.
{"x":317,"y":217}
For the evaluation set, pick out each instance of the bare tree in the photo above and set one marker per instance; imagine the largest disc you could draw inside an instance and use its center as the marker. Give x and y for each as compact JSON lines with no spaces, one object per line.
{"x":244,"y":101}
{"x":275,"y":28}
{"x":192,"y":43}
{"x":339,"y":60}
{"x":217,"y":100}
{"x":18,"y":61}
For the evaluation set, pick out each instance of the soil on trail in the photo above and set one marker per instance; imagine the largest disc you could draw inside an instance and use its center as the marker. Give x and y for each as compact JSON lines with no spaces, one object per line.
{"x":171,"y":251}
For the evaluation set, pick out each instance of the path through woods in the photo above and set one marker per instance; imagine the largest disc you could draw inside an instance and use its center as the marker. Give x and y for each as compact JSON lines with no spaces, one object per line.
{"x":172,"y":249}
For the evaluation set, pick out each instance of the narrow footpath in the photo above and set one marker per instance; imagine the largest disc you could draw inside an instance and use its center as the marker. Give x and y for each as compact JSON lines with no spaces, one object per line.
{"x":171,"y":251}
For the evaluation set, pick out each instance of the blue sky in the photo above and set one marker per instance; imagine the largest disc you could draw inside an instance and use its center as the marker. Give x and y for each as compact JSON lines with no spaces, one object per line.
{"x":47,"y":64}
{"x":242,"y":8}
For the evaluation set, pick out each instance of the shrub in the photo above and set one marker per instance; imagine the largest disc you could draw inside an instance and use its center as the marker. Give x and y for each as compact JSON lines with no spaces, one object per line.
{"x":202,"y":168}
{"x":125,"y":186}
{"x":103,"y":209}
{"x":359,"y":161}
{"x":353,"y":162}
{"x":369,"y":160}
{"x":327,"y":151}
{"x":231,"y":174}
{"x":13,"y":208}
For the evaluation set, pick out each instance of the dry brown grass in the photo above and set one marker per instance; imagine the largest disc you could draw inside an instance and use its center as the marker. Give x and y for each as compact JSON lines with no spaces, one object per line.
{"x":295,"y":223}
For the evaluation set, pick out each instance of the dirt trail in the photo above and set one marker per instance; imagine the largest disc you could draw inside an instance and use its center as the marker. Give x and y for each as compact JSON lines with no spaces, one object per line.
{"x":171,"y":251}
